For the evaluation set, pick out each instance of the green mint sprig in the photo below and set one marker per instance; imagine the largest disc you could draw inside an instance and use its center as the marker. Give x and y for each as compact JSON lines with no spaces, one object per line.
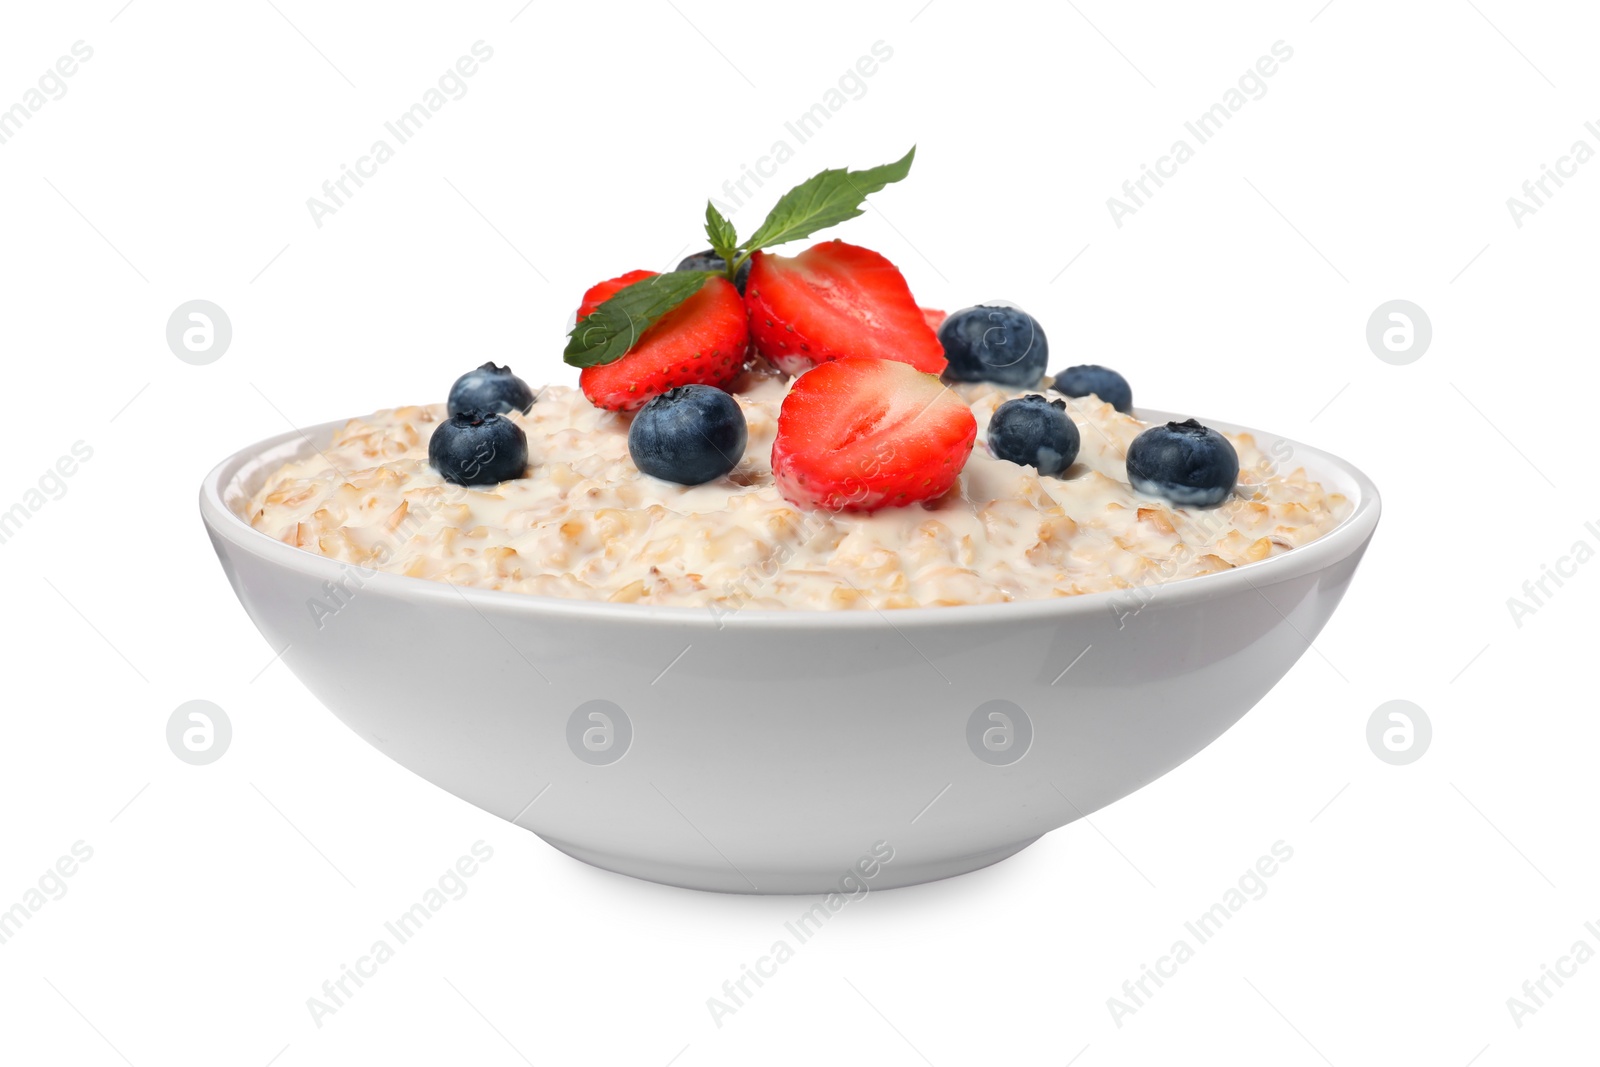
{"x":720,"y":232}
{"x":815,"y":204}
{"x":606,"y":334}
{"x":826,"y":199}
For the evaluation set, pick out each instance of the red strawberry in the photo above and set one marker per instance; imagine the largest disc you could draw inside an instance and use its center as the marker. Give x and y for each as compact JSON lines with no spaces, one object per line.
{"x":934,"y":317}
{"x":858,"y":434}
{"x":702,"y":341}
{"x":599,"y":294}
{"x":835,"y":300}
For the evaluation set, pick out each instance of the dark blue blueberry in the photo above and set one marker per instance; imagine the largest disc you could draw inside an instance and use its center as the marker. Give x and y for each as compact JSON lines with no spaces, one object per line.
{"x":1189,"y":464}
{"x":490,"y":388}
{"x":709,"y":260}
{"x":1035,"y":432}
{"x":478,"y":448}
{"x":1102,"y":382}
{"x":994,"y":344}
{"x":689,"y":435}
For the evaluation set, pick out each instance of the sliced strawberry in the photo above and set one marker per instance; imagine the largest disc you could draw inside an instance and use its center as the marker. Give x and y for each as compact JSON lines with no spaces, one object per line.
{"x":835,"y":300}
{"x":858,"y":434}
{"x":599,"y":294}
{"x":703,"y":341}
{"x":934,"y":317}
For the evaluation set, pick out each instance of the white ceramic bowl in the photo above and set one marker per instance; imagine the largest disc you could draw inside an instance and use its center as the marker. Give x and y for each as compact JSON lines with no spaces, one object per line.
{"x":786,"y":752}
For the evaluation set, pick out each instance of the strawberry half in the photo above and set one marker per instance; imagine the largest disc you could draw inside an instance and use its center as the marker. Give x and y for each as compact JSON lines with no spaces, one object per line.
{"x":933,"y":317}
{"x":702,"y":341}
{"x":835,"y":300}
{"x":858,"y":434}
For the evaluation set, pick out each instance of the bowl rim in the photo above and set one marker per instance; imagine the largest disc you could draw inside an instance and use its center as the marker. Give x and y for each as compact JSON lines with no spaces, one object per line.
{"x":1350,"y":535}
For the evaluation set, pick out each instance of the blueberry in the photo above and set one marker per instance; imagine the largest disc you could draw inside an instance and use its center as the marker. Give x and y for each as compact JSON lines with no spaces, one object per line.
{"x":1185,"y":462}
{"x":490,"y":388}
{"x":994,"y":344}
{"x":478,"y":448}
{"x":1091,"y":379}
{"x":1035,"y":432}
{"x":689,"y":435}
{"x":709,"y":260}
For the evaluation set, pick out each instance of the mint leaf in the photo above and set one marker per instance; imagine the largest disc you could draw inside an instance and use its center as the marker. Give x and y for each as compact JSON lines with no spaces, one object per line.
{"x":824,"y":200}
{"x":606,"y":334}
{"x":724,"y":238}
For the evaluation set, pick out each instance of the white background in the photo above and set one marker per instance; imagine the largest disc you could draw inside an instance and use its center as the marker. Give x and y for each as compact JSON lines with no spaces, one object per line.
{"x":1377,"y":166}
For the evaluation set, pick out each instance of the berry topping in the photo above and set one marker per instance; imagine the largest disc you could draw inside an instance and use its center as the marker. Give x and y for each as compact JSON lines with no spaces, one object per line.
{"x":490,"y":388}
{"x":1185,"y":462}
{"x":1091,"y":379}
{"x":689,"y":435}
{"x":702,"y":341}
{"x":994,"y":343}
{"x":478,"y":448}
{"x":858,"y":434}
{"x":830,"y":296}
{"x":1034,"y":432}
{"x":709,"y":260}
{"x":934,"y":318}
{"x":835,"y":300}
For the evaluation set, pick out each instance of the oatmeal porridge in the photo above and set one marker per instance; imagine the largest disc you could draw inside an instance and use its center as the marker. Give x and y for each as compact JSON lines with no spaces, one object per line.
{"x":583,"y":522}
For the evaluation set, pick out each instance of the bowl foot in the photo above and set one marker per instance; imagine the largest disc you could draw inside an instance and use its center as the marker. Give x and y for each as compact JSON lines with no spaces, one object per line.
{"x":722,"y":878}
